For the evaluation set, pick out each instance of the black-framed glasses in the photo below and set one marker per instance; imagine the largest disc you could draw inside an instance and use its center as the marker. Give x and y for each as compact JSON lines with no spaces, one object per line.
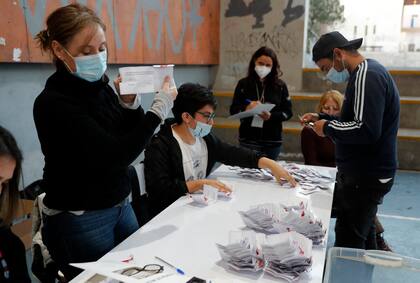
{"x":209,"y":116}
{"x":145,"y":271}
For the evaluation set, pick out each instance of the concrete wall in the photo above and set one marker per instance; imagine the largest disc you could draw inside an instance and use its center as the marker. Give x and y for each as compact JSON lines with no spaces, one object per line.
{"x":247,"y":25}
{"x":21,"y":83}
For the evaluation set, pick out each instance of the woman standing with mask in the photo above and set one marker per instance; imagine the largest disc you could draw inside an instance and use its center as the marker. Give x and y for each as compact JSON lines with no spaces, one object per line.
{"x":88,"y":136}
{"x":262,"y":133}
{"x":12,"y":251}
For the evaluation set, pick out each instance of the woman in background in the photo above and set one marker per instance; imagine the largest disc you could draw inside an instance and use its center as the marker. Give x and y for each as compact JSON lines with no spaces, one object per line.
{"x":263,"y":132}
{"x":13,"y":266}
{"x":318,"y":150}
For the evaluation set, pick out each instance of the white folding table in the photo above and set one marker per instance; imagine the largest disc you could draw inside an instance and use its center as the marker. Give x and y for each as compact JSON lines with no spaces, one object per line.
{"x":185,"y":234}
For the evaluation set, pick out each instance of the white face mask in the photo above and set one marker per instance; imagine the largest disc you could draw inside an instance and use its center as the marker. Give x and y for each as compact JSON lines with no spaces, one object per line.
{"x":262,"y":71}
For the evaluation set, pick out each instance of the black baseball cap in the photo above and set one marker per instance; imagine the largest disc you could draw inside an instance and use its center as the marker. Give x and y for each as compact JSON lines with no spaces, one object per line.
{"x":327,"y":42}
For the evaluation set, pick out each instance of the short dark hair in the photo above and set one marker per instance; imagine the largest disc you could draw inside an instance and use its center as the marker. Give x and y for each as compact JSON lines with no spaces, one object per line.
{"x":10,"y":193}
{"x":273,"y":76}
{"x":191,"y":98}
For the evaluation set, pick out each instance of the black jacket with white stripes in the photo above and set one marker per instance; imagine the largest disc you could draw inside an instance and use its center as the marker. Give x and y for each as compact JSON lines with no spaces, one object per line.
{"x":366,"y":133}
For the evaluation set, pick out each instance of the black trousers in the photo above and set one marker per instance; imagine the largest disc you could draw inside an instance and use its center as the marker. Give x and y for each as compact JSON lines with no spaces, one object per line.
{"x":357,"y":198}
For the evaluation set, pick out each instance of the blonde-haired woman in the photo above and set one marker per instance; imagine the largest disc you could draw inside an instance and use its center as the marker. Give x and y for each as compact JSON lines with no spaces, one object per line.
{"x":89,"y":136}
{"x":321,"y":150}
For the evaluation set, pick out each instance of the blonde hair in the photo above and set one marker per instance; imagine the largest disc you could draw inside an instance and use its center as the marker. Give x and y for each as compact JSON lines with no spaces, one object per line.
{"x":330,"y":94}
{"x":64,"y":23}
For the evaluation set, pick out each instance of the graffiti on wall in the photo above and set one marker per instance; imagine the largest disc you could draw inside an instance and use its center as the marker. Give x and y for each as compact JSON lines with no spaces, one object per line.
{"x":164,"y":27}
{"x":273,"y":27}
{"x":259,"y":8}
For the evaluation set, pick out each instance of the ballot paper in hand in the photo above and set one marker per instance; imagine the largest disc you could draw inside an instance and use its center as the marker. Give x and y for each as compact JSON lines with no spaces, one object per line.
{"x":144,"y":79}
{"x":226,"y":195}
{"x":208,"y":196}
{"x":310,"y":181}
{"x":257,"y":110}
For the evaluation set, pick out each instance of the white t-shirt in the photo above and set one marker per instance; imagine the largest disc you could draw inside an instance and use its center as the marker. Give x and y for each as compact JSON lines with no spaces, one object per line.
{"x":194,"y":158}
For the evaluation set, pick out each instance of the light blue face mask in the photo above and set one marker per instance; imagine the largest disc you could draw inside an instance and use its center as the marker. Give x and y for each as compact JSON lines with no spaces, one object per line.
{"x":90,"y":68}
{"x":336,"y":76}
{"x":201,"y":129}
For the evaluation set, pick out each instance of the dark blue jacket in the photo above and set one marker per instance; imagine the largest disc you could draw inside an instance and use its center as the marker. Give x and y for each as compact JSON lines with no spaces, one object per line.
{"x":366,"y":133}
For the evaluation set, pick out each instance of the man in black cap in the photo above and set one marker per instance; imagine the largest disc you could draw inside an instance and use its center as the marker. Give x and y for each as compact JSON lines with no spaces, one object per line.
{"x":365,"y":136}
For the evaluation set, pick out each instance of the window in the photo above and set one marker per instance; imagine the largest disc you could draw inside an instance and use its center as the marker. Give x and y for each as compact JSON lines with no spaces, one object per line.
{"x":391,"y":31}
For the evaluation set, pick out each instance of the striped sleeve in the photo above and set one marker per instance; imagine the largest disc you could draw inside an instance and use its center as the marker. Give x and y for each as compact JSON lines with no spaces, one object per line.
{"x":360,"y":84}
{"x":368,"y":107}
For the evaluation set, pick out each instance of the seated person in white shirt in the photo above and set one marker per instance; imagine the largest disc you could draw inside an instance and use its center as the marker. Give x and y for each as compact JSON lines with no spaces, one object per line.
{"x":181,"y":156}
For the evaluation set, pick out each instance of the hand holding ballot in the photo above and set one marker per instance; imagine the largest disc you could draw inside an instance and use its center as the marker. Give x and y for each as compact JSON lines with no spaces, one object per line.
{"x":169,"y":87}
{"x":281,"y":174}
{"x":252,"y":104}
{"x":144,"y":79}
{"x":127,"y":98}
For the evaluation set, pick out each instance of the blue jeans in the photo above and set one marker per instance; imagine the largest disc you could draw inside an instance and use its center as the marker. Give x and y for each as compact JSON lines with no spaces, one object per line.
{"x":74,"y":238}
{"x":271,"y":151}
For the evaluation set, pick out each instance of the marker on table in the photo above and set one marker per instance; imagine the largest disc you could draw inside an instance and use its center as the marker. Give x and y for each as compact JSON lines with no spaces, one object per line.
{"x":179,"y":271}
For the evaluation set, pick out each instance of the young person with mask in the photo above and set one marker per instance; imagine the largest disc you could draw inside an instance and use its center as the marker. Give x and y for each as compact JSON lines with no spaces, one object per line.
{"x":89,"y":136}
{"x":320,"y":151}
{"x":262,"y":133}
{"x":13,"y":266}
{"x":365,"y":136}
{"x":181,"y":156}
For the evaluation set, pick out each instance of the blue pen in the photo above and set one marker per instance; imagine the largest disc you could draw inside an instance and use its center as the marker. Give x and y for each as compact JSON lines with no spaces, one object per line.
{"x":179,"y":271}
{"x":248,"y":101}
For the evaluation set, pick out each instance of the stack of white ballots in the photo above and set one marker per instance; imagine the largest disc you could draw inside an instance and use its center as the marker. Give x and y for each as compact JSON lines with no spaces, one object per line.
{"x":277,"y":218}
{"x":310,"y":180}
{"x":287,"y":255}
{"x":242,"y":254}
{"x":251,"y":173}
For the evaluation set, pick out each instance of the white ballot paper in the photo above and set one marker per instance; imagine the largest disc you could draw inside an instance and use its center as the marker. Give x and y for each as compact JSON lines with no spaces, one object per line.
{"x":254,"y":111}
{"x":116,"y":270}
{"x":272,"y":218}
{"x":287,"y":255}
{"x":208,"y":196}
{"x":144,"y":79}
{"x":225,"y":195}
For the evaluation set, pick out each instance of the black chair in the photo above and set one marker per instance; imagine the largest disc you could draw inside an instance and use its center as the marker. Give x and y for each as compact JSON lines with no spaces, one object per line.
{"x":139,"y":201}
